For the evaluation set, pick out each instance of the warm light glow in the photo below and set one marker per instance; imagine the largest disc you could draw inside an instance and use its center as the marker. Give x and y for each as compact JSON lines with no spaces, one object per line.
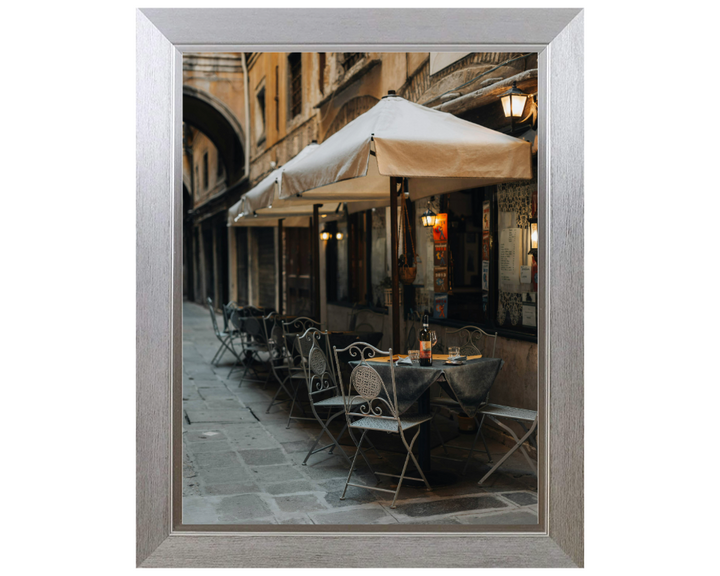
{"x":339,"y":235}
{"x":325,"y":235}
{"x":323,"y":215}
{"x":428,"y":218}
{"x":513,"y":102}
{"x":533,"y":236}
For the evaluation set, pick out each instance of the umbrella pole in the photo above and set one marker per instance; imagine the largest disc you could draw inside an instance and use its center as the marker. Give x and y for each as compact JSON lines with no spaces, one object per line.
{"x":316,"y":259}
{"x":280,"y":265}
{"x":395,"y":271}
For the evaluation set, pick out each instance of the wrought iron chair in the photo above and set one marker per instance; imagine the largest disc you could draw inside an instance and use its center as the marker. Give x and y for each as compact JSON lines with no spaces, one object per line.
{"x":371,"y":405}
{"x":522,"y":417}
{"x":322,"y":392}
{"x":225,"y":337}
{"x":469,"y":338}
{"x":281,"y":364}
{"x":293,"y":363}
{"x":253,"y":344}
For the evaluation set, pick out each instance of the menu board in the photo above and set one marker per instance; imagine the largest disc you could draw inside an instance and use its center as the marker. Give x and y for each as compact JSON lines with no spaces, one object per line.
{"x":509,"y":259}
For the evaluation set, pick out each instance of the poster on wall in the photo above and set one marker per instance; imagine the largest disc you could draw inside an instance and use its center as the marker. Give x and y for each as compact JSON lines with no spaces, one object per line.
{"x":440,"y":231}
{"x":486,"y":246}
{"x":441,"y":306}
{"x":509,"y":259}
{"x":486,"y":275}
{"x":486,"y":216}
{"x":441,"y":259}
{"x":440,"y":283}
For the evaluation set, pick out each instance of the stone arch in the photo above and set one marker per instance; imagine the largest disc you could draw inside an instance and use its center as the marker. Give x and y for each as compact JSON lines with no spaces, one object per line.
{"x":349,"y":111}
{"x":212,"y":117}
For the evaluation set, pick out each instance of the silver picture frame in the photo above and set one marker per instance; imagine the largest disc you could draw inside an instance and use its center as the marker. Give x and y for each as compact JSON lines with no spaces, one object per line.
{"x":163,"y":35}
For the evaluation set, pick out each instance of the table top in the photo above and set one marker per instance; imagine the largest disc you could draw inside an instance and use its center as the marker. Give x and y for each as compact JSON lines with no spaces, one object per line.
{"x":468,"y":383}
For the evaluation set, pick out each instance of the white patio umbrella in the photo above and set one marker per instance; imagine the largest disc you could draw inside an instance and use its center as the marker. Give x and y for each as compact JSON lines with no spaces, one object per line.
{"x":440,"y":152}
{"x":396,"y":138}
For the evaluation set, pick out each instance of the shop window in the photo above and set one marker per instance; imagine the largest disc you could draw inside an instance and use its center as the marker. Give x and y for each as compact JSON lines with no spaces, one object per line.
{"x":491,"y":275}
{"x":295,"y":67}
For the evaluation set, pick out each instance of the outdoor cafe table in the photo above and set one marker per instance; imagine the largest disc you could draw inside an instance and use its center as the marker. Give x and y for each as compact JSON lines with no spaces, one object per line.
{"x":468,"y":384}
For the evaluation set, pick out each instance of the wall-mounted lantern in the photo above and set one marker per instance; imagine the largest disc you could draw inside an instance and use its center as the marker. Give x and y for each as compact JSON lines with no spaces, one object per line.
{"x":428,"y":217}
{"x":325,"y":235}
{"x":513,"y":102}
{"x":339,"y":236}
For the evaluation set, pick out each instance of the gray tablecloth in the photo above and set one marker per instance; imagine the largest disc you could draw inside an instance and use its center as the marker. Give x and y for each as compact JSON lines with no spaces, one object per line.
{"x":469,"y":384}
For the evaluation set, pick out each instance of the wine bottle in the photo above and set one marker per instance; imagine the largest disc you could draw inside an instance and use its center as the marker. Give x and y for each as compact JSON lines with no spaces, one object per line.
{"x":425,"y":344}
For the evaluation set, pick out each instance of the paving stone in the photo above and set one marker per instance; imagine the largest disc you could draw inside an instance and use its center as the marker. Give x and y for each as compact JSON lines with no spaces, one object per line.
{"x":511,"y":517}
{"x":321,"y":473}
{"x":521,"y":498}
{"x":216,"y":394}
{"x":231,"y":488}
{"x":353,"y":497}
{"x":198,"y":447}
{"x":292,"y":434}
{"x":448,"y":505}
{"x":217,"y":460}
{"x":436,"y":522}
{"x":198,"y":510}
{"x":290,"y":487}
{"x":195,"y":405}
{"x":251,"y":437}
{"x":272,"y":474}
{"x":236,"y":509}
{"x":224,"y":404}
{"x":371,"y":515}
{"x":263,"y":457}
{"x":197,"y":436}
{"x":300,"y":446}
{"x":299,"y":503}
{"x":224,"y":476}
{"x":216,"y":416}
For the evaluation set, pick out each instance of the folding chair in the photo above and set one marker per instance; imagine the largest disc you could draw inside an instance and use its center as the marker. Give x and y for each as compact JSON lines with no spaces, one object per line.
{"x":468,"y":340}
{"x":253,"y":344}
{"x":282,"y":365}
{"x":522,"y":417}
{"x":374,"y":406}
{"x":225,"y":337}
{"x":323,"y":393}
{"x":294,"y":361}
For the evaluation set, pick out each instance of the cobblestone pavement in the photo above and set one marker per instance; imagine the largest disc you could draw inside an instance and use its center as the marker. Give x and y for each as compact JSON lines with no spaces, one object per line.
{"x":242,"y":466}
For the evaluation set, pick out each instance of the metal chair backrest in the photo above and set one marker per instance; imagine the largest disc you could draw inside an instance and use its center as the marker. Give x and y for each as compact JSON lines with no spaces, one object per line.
{"x":318,"y":374}
{"x":213,"y":317}
{"x":367,"y":394}
{"x":273,"y":334}
{"x":470,"y":337}
{"x":253,"y":327}
{"x":227,"y":312}
{"x":297,"y":326}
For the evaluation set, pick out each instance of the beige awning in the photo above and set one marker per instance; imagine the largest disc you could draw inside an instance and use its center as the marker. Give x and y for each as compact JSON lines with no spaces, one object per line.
{"x":439,"y":152}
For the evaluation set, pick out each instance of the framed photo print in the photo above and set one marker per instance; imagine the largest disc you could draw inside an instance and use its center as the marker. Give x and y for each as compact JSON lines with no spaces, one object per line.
{"x":296,"y":170}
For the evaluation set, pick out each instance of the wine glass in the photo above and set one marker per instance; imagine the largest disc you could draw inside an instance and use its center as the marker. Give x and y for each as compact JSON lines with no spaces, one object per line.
{"x":433,"y":338}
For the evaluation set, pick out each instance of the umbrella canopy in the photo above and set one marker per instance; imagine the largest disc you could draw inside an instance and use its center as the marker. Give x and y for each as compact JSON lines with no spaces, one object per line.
{"x":265,"y":193}
{"x":441,"y":152}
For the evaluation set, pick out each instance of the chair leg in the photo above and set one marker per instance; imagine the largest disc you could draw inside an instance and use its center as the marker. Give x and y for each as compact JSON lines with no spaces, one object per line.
{"x":325,"y":430}
{"x":472,"y":448}
{"x":518,"y":444}
{"x":352,"y":465}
